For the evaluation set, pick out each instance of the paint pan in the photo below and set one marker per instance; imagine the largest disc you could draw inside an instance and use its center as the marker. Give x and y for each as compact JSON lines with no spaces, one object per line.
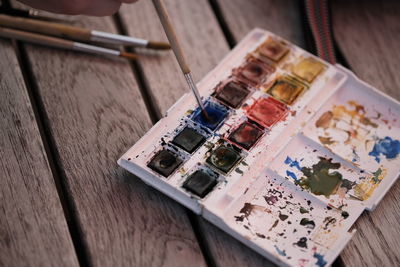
{"x":216,"y":114}
{"x":224,"y":158}
{"x":164,"y":162}
{"x":188,"y":139}
{"x":254,"y":71}
{"x":287,"y":181}
{"x":201,"y":182}
{"x":267,"y":111}
{"x":308,"y":69}
{"x":246,"y":135}
{"x":273,"y":49}
{"x":286,"y":89}
{"x":232,"y":93}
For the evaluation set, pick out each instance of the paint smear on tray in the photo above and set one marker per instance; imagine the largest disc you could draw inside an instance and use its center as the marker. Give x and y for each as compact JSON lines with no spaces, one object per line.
{"x":291,"y":225}
{"x":348,"y":125}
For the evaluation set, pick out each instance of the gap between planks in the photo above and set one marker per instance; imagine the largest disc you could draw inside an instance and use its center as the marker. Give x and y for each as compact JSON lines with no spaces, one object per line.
{"x":50,"y":150}
{"x":155,"y":115}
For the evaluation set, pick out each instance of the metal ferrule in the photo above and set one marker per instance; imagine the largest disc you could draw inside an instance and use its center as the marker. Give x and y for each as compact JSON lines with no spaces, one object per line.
{"x":95,"y":49}
{"x":111,"y":38}
{"x":192,"y":86}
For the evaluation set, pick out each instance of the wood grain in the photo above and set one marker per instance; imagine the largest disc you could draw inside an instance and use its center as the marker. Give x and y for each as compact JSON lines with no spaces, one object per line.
{"x":203,"y":44}
{"x":368,"y":33}
{"x":278,"y":16}
{"x":95,"y":113}
{"x":33,"y":229}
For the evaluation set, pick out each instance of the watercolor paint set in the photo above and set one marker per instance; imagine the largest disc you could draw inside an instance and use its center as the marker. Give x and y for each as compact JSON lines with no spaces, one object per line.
{"x":293,"y":150}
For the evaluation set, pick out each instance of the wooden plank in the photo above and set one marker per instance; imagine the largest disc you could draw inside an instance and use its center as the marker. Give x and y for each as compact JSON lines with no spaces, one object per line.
{"x":204,"y":44}
{"x":278,"y":16}
{"x":367,"y":32}
{"x":33,"y":229}
{"x":201,"y":39}
{"x":95,"y":112}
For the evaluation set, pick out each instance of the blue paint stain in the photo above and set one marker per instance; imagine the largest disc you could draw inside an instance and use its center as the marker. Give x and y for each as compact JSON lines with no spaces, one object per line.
{"x":291,"y":174}
{"x":292,"y":163}
{"x":280,"y":252}
{"x":216,"y":113}
{"x":321,"y":262}
{"x":387,"y":147}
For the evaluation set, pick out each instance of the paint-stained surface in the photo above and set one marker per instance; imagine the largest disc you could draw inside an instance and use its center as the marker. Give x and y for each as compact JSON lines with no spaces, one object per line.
{"x":286,"y":161}
{"x":291,"y":225}
{"x":360,"y":129}
{"x":325,"y":175}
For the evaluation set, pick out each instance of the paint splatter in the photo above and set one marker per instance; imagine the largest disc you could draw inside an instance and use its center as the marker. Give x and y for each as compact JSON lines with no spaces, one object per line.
{"x":345,"y":214}
{"x":319,"y":179}
{"x":328,"y":221}
{"x":260,"y":235}
{"x":248,"y":208}
{"x":283,"y":217}
{"x":321,"y":262}
{"x":274,"y":225}
{"x":280,"y":252}
{"x":377,"y":178}
{"x":271,"y":200}
{"x":292,"y":163}
{"x":238,"y":171}
{"x":303,"y":210}
{"x":291,"y":175}
{"x":365,"y":189}
{"x":302,"y":242}
{"x":326,"y":140}
{"x":351,"y":120}
{"x":387,"y":147}
{"x":307,"y":223}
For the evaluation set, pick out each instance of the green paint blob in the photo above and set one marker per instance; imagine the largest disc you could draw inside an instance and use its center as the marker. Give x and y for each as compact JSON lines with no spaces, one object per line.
{"x":303,"y":210}
{"x":377,"y":174}
{"x":319,"y":180}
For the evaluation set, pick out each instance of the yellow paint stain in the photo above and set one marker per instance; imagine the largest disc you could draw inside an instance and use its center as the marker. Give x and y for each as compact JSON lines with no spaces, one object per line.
{"x":364,"y":190}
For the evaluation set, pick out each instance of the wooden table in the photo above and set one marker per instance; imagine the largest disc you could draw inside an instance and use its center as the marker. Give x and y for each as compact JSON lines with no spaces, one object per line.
{"x":66,"y":118}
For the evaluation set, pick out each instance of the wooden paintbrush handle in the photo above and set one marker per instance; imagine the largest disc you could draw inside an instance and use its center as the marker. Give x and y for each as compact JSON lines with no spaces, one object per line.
{"x":44,"y":27}
{"x":35,"y":38}
{"x":171,"y":35}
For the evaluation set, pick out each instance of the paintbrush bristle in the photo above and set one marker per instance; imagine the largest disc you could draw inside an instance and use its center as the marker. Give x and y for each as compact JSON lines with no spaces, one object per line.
{"x":158,"y":45}
{"x":128,"y":55}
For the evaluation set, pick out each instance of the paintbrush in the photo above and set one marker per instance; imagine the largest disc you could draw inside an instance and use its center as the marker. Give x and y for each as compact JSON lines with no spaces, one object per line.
{"x":76,"y":33}
{"x":171,"y":35}
{"x":62,"y":43}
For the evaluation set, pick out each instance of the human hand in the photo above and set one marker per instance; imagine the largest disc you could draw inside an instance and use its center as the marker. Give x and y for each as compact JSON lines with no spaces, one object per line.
{"x":77,"y":7}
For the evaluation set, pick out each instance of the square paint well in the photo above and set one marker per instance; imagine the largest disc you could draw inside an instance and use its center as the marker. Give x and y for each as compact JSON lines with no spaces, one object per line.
{"x":200,"y":183}
{"x":254,"y":71}
{"x":224,"y":158}
{"x":286,"y":89}
{"x":232,"y":93}
{"x":246,"y":135}
{"x":164,"y":162}
{"x":216,"y":115}
{"x":273,"y":49}
{"x":308,"y":69}
{"x":267,"y":111}
{"x":188,"y":139}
